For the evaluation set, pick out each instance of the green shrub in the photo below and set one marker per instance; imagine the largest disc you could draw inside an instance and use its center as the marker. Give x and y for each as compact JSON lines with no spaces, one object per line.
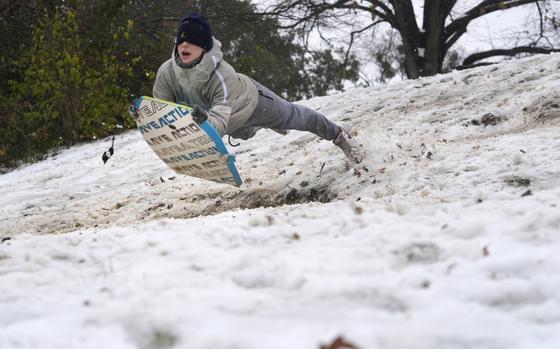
{"x":66,"y":94}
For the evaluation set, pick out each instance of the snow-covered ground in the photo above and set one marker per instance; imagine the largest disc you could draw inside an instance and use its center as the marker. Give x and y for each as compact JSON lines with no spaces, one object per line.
{"x":450,"y":239}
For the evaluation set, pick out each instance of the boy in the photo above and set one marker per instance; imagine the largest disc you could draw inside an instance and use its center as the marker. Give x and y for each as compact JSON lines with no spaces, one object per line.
{"x":233,"y":103}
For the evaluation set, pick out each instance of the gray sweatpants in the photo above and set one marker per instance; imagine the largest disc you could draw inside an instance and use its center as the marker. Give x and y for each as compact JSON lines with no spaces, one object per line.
{"x":275,"y":112}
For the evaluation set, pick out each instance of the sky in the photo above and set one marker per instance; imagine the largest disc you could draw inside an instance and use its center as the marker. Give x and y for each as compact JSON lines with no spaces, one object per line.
{"x":487,"y":32}
{"x":446,"y":236}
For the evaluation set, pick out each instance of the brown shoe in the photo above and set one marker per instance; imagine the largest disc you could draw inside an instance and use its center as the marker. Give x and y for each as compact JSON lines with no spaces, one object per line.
{"x":352,"y":149}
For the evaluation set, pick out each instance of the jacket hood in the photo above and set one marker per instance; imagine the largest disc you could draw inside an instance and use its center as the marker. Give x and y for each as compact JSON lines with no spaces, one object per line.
{"x":202,"y":71}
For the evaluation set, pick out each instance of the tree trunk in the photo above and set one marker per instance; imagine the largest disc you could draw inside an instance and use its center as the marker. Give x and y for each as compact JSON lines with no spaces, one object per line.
{"x":405,"y":23}
{"x":435,"y":12}
{"x":412,"y":62}
{"x":424,"y":50}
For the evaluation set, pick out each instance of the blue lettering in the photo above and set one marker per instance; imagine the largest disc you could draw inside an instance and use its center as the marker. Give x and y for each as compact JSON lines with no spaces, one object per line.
{"x":172,"y":113}
{"x":163,"y":121}
{"x":195,"y":155}
{"x":144,"y":128}
{"x":167,"y":119}
{"x":148,"y":127}
{"x":183,"y":111}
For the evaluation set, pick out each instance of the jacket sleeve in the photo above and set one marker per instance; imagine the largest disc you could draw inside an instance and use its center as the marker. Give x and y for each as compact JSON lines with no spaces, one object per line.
{"x":163,"y":89}
{"x":220,"y":104}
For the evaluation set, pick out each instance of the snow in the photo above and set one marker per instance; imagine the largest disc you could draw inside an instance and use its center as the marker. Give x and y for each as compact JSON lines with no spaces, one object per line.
{"x":448,"y":240}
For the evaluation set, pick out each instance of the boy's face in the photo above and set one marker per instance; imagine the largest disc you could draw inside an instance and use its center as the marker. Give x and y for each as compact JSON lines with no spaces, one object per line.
{"x":189,"y":52}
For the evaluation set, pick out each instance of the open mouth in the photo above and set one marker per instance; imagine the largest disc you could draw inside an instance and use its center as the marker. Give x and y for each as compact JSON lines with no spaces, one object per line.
{"x":185,"y":54}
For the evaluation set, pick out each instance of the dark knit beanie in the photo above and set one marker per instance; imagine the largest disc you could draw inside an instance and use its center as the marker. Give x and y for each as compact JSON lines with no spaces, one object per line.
{"x":195,"y":29}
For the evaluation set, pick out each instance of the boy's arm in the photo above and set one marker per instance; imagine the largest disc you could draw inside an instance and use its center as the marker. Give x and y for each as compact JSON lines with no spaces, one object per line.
{"x":162,"y":88}
{"x":220,"y":107}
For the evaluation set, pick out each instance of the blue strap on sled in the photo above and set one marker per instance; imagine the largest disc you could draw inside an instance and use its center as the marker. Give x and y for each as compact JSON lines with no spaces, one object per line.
{"x":211,"y":131}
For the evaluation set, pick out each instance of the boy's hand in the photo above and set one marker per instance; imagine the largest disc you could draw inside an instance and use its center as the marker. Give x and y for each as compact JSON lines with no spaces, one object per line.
{"x":199,"y":115}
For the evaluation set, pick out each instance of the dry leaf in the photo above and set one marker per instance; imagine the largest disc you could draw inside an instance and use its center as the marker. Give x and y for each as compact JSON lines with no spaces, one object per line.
{"x":339,"y":343}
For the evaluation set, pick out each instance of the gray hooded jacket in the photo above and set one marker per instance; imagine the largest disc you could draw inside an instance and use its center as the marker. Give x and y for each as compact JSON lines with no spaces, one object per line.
{"x":229,"y":97}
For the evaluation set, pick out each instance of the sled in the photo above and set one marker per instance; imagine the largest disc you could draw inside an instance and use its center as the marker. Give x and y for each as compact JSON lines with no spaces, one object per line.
{"x":188,"y":148}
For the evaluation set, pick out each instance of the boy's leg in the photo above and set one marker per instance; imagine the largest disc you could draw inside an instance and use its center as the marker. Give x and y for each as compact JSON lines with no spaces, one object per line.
{"x":275,"y":112}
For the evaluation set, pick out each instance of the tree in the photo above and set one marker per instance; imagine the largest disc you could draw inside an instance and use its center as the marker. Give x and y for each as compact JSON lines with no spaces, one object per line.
{"x":65,"y":93}
{"x":16,"y":20}
{"x":254,"y":46}
{"x":69,"y":68}
{"x":424,"y":49}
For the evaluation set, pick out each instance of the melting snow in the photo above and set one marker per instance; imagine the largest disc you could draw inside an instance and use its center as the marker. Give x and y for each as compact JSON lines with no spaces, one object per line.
{"x":449,"y":239}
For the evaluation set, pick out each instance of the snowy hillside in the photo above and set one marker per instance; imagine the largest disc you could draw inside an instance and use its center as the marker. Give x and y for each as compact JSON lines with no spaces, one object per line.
{"x":449,"y":239}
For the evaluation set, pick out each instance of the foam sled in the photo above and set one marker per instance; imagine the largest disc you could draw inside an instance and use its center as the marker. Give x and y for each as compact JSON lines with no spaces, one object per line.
{"x":185,"y":146}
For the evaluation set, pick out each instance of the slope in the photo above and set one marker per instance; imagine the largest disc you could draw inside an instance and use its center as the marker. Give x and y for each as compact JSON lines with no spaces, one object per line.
{"x":448,"y":240}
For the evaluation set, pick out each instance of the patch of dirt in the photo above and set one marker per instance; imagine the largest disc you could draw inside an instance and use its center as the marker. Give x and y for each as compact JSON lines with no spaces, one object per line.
{"x":420,"y":253}
{"x":182,"y":205}
{"x":516,"y":181}
{"x":269,"y":198}
{"x":545,"y":109}
{"x":488,"y":119}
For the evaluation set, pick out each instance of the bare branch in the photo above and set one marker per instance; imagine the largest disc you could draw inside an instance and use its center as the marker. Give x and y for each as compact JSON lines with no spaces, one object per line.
{"x":424,"y":49}
{"x":311,"y":10}
{"x":506,"y":52}
{"x":405,"y":17}
{"x":366,"y":80}
{"x":457,"y":28}
{"x":352,"y":34}
{"x":541,"y":27}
